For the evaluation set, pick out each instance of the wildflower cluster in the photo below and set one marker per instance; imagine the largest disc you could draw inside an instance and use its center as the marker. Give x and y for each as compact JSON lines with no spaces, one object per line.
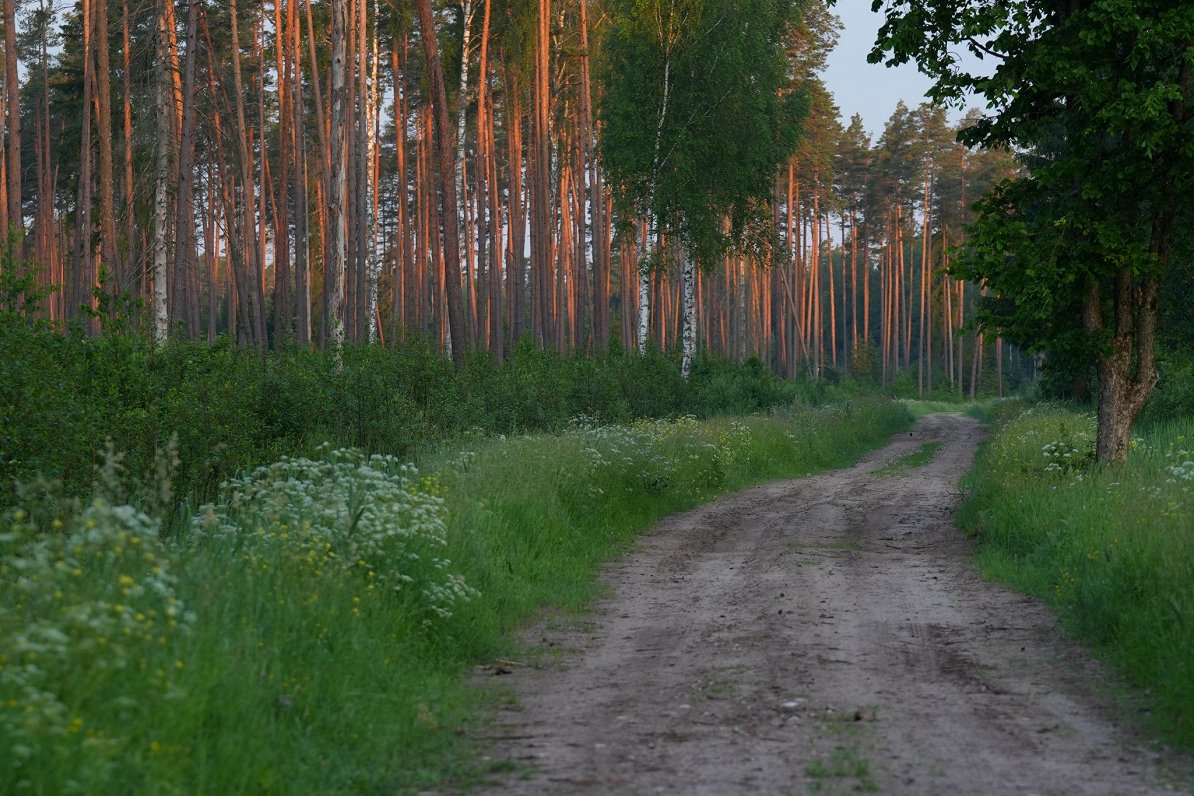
{"x":370,"y":516}
{"x":87,"y":601}
{"x":1044,"y":442}
{"x":1066,"y":456}
{"x":1181,"y":470}
{"x":660,"y":454}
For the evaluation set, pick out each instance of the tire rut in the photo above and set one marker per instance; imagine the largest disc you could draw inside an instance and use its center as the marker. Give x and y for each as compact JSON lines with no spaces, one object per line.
{"x":826,"y":634}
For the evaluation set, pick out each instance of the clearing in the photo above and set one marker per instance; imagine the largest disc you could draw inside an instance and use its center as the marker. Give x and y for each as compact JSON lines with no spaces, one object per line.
{"x":821,"y":635}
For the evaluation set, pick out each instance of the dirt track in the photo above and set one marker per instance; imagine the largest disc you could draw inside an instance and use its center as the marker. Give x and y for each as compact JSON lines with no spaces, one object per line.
{"x":823,"y":635}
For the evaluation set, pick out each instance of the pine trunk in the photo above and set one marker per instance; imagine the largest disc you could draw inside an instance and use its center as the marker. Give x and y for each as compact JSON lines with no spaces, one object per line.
{"x":12,"y":92}
{"x":455,"y":330}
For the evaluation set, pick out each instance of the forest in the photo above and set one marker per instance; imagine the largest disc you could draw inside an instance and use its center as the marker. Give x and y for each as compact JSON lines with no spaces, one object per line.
{"x":167,"y":171}
{"x":347,"y":347}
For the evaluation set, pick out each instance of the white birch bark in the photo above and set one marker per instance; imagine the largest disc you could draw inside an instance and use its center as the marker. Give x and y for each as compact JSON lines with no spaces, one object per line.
{"x":689,"y":334}
{"x":646,"y":254}
{"x":644,"y":283}
{"x":339,"y":178}
{"x":161,"y":317}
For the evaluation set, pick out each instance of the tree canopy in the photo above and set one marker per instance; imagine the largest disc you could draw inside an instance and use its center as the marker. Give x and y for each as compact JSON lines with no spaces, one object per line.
{"x":1097,"y":93}
{"x":697,"y":113}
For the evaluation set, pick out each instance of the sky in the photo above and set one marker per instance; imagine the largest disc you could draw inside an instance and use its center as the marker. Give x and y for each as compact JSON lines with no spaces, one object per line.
{"x":871,"y":90}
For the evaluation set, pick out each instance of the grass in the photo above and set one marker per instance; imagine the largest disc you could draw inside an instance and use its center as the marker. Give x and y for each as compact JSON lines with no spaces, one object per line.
{"x":845,"y":762}
{"x":919,"y":458}
{"x":312,"y":630}
{"x":1111,"y":548}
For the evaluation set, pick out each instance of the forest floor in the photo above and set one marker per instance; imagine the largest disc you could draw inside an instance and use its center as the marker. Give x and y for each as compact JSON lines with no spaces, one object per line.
{"x":821,"y":635}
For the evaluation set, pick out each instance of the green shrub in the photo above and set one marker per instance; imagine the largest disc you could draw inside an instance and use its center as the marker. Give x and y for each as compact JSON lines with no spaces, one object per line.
{"x":233,"y":409}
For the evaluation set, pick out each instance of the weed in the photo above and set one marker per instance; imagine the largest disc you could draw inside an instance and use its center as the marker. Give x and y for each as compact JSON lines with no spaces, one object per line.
{"x":844,"y":762}
{"x":922,"y":456}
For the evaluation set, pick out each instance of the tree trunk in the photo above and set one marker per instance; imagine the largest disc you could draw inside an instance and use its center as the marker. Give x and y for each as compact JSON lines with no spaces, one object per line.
{"x":457,"y":334}
{"x":107,"y":169}
{"x":161,"y":317}
{"x":12,"y":91}
{"x":466,"y":21}
{"x":516,"y":212}
{"x":338,"y":179}
{"x":84,"y":262}
{"x":540,"y":187}
{"x":302,"y":244}
{"x":1128,"y":372}
{"x":689,"y":335}
{"x":185,"y":219}
{"x":283,"y":298}
{"x":644,"y":286}
{"x":597,"y":220}
{"x":132,"y":256}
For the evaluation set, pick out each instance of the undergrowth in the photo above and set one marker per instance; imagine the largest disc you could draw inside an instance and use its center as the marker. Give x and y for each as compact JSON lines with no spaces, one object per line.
{"x":1111,"y":548}
{"x":311,"y":628}
{"x":229,"y":409}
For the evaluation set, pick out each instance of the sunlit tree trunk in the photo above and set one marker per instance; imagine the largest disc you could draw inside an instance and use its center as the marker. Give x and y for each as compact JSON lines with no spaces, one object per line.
{"x":302,"y":273}
{"x":12,"y":92}
{"x":132,"y":257}
{"x":540,"y":188}
{"x":456,"y":333}
{"x":283,"y":297}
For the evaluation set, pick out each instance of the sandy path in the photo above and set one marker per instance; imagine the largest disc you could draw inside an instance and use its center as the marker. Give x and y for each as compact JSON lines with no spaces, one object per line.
{"x":823,"y":635}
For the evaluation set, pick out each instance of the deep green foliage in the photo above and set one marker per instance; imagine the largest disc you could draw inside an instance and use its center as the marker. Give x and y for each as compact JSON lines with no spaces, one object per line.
{"x":61,"y":398}
{"x":696,"y":114}
{"x":1174,"y":396}
{"x":1109,"y":547}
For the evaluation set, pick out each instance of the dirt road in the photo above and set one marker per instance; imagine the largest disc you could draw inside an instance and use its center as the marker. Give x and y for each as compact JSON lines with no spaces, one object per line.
{"x":823,"y":635}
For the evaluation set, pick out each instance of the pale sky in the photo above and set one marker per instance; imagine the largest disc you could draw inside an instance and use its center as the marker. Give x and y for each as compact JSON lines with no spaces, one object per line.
{"x":871,"y":90}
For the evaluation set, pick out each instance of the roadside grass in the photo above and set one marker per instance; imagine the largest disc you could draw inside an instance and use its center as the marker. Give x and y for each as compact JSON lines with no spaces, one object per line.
{"x":1111,"y":548}
{"x":918,"y":458}
{"x":311,"y":631}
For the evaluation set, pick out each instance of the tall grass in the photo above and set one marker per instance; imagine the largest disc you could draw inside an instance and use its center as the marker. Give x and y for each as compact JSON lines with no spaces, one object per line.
{"x":311,"y":629}
{"x":1111,"y":548}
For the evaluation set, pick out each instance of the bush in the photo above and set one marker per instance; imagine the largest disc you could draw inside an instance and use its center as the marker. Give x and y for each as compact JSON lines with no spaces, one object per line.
{"x":1174,"y":396}
{"x":232,"y":409}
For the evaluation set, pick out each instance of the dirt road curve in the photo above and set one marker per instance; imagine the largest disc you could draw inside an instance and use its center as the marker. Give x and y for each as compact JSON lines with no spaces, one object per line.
{"x":824,"y":635}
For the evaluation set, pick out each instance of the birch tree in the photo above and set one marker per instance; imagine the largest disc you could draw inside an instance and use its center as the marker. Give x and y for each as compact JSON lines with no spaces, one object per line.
{"x":338,"y":176}
{"x":709,"y":73}
{"x":161,"y":315}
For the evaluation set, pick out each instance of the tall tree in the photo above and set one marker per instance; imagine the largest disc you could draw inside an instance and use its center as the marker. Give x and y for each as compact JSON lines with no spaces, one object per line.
{"x":12,"y":92}
{"x":1101,"y":91}
{"x":457,"y":333}
{"x":338,"y":178}
{"x":710,"y":75}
